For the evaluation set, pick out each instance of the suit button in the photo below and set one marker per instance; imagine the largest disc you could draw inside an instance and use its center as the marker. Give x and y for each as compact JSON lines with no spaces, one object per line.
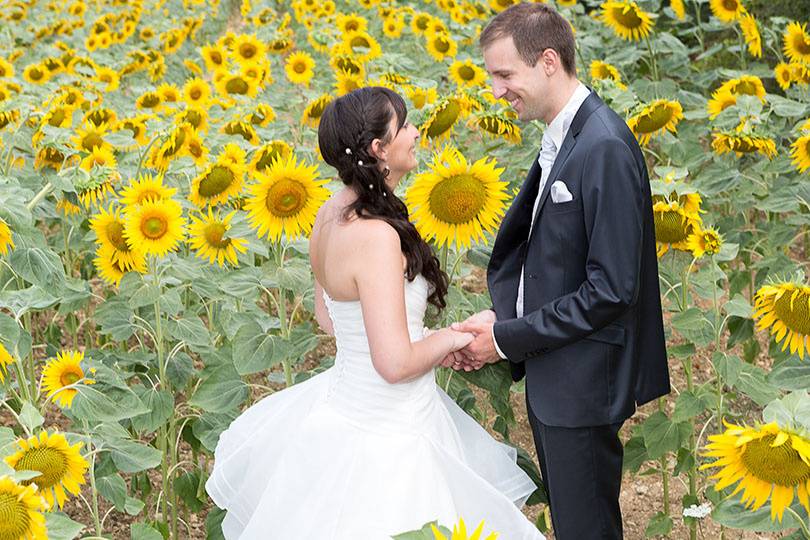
{"x":532,"y":276}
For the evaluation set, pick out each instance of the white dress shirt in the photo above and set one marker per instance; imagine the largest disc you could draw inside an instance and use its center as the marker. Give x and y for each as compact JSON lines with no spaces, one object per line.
{"x":553,"y":137}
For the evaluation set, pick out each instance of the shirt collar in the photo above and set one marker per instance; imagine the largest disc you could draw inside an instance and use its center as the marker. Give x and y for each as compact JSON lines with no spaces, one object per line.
{"x":559,"y":126}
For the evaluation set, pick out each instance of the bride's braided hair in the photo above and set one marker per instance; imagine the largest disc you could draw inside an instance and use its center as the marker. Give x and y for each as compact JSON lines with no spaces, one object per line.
{"x":347,"y":127}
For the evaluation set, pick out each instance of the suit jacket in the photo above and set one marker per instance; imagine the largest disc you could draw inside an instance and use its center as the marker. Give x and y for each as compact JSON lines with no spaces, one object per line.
{"x":591,"y":341}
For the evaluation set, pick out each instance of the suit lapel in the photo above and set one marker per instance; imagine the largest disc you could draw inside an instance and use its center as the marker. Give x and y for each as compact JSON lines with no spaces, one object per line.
{"x":591,"y":103}
{"x":515,"y":221}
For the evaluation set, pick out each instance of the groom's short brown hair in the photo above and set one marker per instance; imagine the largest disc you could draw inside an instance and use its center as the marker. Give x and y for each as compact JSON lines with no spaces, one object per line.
{"x":534,"y":28}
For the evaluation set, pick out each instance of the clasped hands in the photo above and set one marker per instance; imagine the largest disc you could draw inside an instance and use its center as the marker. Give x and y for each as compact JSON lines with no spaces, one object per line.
{"x":480,"y":350}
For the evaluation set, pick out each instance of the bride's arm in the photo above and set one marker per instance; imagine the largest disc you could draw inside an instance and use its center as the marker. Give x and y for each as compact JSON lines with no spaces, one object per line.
{"x":321,"y":313}
{"x":380,"y":282}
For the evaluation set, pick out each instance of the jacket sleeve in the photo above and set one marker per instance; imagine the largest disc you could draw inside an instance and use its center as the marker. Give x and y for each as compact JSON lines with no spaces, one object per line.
{"x":612,"y":208}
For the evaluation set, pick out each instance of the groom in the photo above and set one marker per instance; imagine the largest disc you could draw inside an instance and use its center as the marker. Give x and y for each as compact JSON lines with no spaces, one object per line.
{"x":573,"y":274}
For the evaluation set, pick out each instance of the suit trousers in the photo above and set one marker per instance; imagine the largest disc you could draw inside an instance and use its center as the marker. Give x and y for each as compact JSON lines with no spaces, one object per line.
{"x":582,"y":472}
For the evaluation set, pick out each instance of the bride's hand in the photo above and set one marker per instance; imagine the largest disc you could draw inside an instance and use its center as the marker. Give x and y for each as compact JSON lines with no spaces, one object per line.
{"x":459,"y":339}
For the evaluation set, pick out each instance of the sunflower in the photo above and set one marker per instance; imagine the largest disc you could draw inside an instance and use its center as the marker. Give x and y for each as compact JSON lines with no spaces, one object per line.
{"x":228,"y":85}
{"x":242,"y":129}
{"x":109,"y":228}
{"x":704,"y":242}
{"x":800,"y":152}
{"x":351,"y":23}
{"x":785,"y":308}
{"x":799,"y":73}
{"x":500,"y":5}
{"x":750,"y":85}
{"x":455,"y":201}
{"x":61,"y":466}
{"x":497,"y":125}
{"x":314,"y":110}
{"x":108,"y":77}
{"x":155,"y":227}
{"x":727,"y":11}
{"x":286,"y":199}
{"x":99,"y":157}
{"x":207,"y":235}
{"x":393,"y":26}
{"x":741,"y":143}
{"x":248,"y":48}
{"x":797,"y":42}
{"x":720,"y":101}
{"x":767,"y":461}
{"x":89,"y":137}
{"x":264,"y":157}
{"x":36,"y":74}
{"x":67,"y":208}
{"x":262,"y":115}
{"x":196,"y":92}
{"x":6,"y":68}
{"x":678,"y":8}
{"x":221,"y":179}
{"x":442,"y":117}
{"x":674,"y":224}
{"x":151,"y":101}
{"x":111,"y":269}
{"x":299,"y":68}
{"x":750,"y":30}
{"x":628,"y":20}
{"x":6,"y":241}
{"x":659,"y":116}
{"x":602,"y":70}
{"x":781,"y":73}
{"x":361,"y":45}
{"x":214,"y":57}
{"x":460,"y":532}
{"x":145,"y":188}
{"x":346,"y":82}
{"x":440,"y":45}
{"x":22,"y":509}
{"x":5,"y":361}
{"x":347,"y":63}
{"x":60,"y":373}
{"x":99,"y":116}
{"x":95,"y":188}
{"x":196,"y":117}
{"x":168,"y":93}
{"x":466,"y":73}
{"x":420,"y":22}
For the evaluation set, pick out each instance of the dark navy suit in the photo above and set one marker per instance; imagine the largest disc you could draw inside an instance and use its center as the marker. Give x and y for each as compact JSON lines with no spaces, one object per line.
{"x":591,"y":341}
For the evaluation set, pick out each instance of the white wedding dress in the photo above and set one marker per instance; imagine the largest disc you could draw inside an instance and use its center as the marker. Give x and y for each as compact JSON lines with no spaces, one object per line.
{"x":345,"y":455}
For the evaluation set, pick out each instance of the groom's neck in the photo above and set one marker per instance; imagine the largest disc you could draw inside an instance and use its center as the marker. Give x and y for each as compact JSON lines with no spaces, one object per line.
{"x":560,"y":95}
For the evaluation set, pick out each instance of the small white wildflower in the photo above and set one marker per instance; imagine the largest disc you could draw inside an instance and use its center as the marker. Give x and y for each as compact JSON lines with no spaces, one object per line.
{"x":698,"y":512}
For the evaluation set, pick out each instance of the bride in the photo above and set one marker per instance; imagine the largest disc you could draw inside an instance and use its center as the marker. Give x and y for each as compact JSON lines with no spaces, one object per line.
{"x":371,"y":447}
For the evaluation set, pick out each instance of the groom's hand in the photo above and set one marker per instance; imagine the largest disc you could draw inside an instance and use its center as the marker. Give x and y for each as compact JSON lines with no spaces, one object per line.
{"x":482,"y":349}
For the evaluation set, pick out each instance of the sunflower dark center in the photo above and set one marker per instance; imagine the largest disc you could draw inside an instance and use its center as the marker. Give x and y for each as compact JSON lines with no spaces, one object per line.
{"x":801,"y":44}
{"x":150,"y":101}
{"x":780,"y":465}
{"x":317,"y":109}
{"x":50,"y":462}
{"x":14,"y":520}
{"x":458,"y":199}
{"x":671,"y":227}
{"x":195,"y":93}
{"x":442,"y":44}
{"x":148,"y":195}
{"x":214,"y":233}
{"x":237,"y":85}
{"x":154,"y":227}
{"x":444,"y":120}
{"x":730,"y":5}
{"x":57,"y":118}
{"x":215,"y":182}
{"x":92,"y":140}
{"x":655,"y":119}
{"x":247,"y":51}
{"x":746,"y":87}
{"x":268,"y":156}
{"x":627,"y":18}
{"x":466,"y":73}
{"x":69,"y":377}
{"x":115,"y":234}
{"x":286,"y":198}
{"x":352,"y":25}
{"x":743,"y":144}
{"x":796,"y":313}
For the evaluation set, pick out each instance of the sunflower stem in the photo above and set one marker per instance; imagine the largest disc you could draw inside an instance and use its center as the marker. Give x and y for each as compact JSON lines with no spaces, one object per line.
{"x":653,"y":63}
{"x":664,"y":467}
{"x":805,"y":528}
{"x":39,"y":196}
{"x":282,"y":313}
{"x":145,"y":152}
{"x":92,"y":474}
{"x":698,"y":24}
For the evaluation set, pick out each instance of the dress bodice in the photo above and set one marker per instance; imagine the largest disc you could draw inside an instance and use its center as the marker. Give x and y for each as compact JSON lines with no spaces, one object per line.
{"x":357,"y":390}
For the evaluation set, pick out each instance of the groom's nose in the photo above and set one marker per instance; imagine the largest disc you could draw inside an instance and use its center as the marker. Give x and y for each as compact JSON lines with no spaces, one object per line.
{"x":498,"y":90}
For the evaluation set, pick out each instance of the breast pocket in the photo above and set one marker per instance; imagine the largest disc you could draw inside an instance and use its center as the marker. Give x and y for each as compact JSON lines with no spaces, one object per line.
{"x":563,"y":207}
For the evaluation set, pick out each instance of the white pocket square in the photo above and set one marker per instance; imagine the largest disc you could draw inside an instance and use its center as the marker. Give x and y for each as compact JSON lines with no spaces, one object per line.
{"x":560,"y":193}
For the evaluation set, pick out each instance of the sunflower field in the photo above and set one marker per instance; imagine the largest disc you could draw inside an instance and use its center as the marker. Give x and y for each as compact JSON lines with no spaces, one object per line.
{"x":159,"y":175}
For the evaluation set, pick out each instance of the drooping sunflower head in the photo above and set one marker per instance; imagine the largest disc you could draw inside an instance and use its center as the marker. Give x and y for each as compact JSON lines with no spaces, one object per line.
{"x":497,"y":126}
{"x":264,"y":157}
{"x":784,"y":307}
{"x":627,"y":19}
{"x":99,"y":157}
{"x":299,"y":68}
{"x":659,"y":116}
{"x":750,"y":85}
{"x":155,"y":227}
{"x":767,"y":461}
{"x":6,"y":241}
{"x":221,"y":179}
{"x":673,"y":226}
{"x":741,"y":143}
{"x":22,"y":509}
{"x":151,"y":101}
{"x":60,"y":373}
{"x":314,"y":110}
{"x":286,"y":199}
{"x":347,"y":82}
{"x":800,"y":152}
{"x":109,"y":228}
{"x":208,"y":236}
{"x":602,"y":70}
{"x":262,"y":115}
{"x":61,"y":466}
{"x":421,"y":96}
{"x":443,"y":117}
{"x":111,"y":266}
{"x":456,"y":202}
{"x":361,"y":45}
{"x":242,"y":129}
{"x":750,"y":30}
{"x":727,"y":11}
{"x":347,"y":63}
{"x":94,"y":188}
{"x":797,"y":42}
{"x":720,"y":101}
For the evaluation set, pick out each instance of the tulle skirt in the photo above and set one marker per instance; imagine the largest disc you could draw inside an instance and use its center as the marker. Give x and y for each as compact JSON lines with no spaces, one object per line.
{"x":294,"y":467}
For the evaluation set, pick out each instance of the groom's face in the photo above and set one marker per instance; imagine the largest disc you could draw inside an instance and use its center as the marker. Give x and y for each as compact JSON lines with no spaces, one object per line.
{"x":522,"y":85}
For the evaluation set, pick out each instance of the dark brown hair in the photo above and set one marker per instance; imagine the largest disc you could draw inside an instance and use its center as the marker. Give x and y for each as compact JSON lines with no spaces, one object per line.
{"x":534,"y":28}
{"x":352,"y":122}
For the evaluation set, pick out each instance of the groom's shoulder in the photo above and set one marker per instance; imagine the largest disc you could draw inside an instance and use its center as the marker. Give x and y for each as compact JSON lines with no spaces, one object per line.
{"x":605,"y":123}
